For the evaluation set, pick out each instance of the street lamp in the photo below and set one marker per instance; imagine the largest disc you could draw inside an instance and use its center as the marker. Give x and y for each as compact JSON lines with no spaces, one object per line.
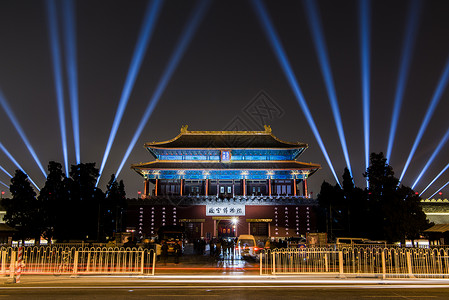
{"x":138,"y":194}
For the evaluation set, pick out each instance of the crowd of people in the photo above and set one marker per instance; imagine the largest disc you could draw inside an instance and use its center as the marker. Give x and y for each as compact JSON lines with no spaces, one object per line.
{"x":223,"y":247}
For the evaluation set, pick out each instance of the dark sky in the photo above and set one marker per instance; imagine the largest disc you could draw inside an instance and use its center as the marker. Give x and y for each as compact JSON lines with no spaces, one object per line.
{"x":215,"y":86}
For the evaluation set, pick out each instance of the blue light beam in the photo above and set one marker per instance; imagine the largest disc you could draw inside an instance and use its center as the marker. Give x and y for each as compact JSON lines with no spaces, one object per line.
{"x":4,"y":184}
{"x":57,"y":73}
{"x":15,"y":122}
{"x":407,"y":49}
{"x":439,"y":189}
{"x":6,"y":172}
{"x":146,"y":32}
{"x":436,"y":177}
{"x":430,"y":110}
{"x":17,"y":164}
{"x":187,"y":35}
{"x":288,"y":71}
{"x":365,"y":53}
{"x":72,"y":71}
{"x":315,"y":26}
{"x":434,"y":154}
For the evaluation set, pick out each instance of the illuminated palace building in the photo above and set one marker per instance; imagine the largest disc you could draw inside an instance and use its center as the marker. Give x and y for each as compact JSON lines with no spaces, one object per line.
{"x":224,"y":184}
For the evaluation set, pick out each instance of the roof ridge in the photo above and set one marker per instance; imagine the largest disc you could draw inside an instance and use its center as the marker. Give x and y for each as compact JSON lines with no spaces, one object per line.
{"x":267,"y":132}
{"x":184,"y":130}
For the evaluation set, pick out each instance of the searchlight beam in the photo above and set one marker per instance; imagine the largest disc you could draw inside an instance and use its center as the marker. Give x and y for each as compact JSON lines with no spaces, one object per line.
{"x":407,"y":49}
{"x":316,"y":29}
{"x":6,"y":172}
{"x":434,"y":154}
{"x":15,"y":122}
{"x":436,"y":177}
{"x":288,"y":71}
{"x":439,"y":189}
{"x":146,"y":32}
{"x":430,"y":110}
{"x":16,"y":163}
{"x":365,"y":53}
{"x":180,"y":48}
{"x":57,"y":73}
{"x":72,"y":71}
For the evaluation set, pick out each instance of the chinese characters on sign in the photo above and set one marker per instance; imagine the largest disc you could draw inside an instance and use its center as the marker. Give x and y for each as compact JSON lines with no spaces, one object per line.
{"x":225,"y":156}
{"x":225,"y":210}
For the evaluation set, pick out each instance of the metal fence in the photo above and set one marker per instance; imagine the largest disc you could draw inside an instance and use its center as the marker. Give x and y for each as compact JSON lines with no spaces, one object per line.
{"x":77,"y":261}
{"x":385,"y":262}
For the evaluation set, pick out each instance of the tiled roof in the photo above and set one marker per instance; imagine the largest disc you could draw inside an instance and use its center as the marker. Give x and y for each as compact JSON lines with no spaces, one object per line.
{"x":438,"y":228}
{"x":225,"y":139}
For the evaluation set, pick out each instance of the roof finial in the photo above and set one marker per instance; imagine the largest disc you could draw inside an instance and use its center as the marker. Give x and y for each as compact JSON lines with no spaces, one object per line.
{"x":184,"y":128}
{"x":267,"y":128}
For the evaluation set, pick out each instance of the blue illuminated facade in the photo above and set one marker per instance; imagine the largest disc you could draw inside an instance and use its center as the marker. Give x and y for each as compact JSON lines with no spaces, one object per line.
{"x":226,"y":164}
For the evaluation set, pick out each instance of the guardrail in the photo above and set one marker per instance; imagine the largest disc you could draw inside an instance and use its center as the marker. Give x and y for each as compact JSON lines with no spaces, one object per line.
{"x":385,"y":262}
{"x":77,"y":261}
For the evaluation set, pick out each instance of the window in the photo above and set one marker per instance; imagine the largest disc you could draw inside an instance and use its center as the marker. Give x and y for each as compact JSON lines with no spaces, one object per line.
{"x":222,"y":189}
{"x":229,"y":189}
{"x":259,"y":229}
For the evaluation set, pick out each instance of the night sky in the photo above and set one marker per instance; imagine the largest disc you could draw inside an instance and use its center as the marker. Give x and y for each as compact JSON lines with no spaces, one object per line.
{"x":227,"y":70}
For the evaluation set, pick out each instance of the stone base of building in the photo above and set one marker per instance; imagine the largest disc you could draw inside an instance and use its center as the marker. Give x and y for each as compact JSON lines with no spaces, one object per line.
{"x":207,"y":217}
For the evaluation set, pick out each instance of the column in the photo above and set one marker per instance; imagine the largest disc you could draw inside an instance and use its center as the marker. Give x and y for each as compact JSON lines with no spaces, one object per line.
{"x":233,"y":188}
{"x":146,"y":189}
{"x":294,"y":187}
{"x":236,"y":227}
{"x":215,"y":228}
{"x":207,"y":186}
{"x":218,"y":186}
{"x":269,"y":229}
{"x":244,"y":187}
{"x":304,"y":185}
{"x":180,"y":189}
{"x":155,"y":187}
{"x":269,"y":187}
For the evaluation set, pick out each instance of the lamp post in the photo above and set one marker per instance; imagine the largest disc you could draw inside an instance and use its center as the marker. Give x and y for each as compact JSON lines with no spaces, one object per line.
{"x":3,"y":192}
{"x":138,"y":194}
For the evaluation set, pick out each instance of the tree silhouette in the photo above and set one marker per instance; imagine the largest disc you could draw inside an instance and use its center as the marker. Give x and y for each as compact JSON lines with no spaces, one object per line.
{"x":113,"y":207}
{"x":384,"y":211}
{"x":85,"y":200}
{"x":22,"y":210}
